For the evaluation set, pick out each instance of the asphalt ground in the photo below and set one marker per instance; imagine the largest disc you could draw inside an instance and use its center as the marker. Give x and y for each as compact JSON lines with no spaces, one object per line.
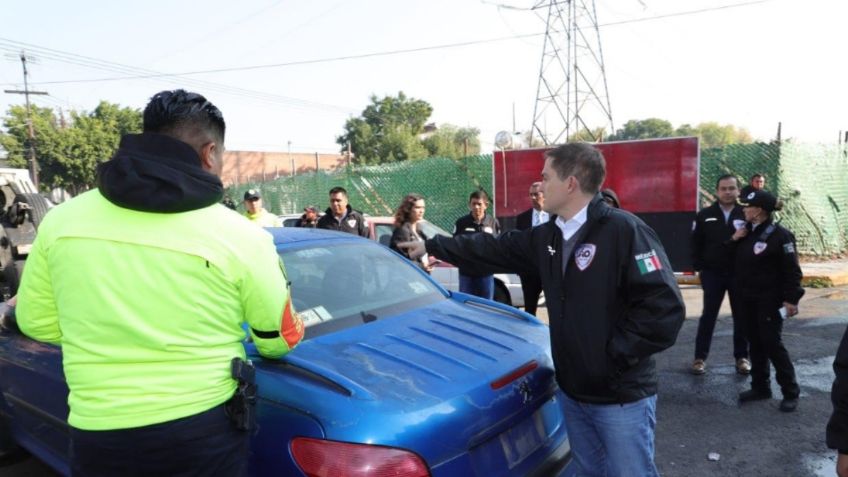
{"x":699,"y":415}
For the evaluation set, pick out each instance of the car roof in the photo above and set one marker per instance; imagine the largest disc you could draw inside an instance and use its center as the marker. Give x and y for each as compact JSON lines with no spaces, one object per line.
{"x":291,"y":235}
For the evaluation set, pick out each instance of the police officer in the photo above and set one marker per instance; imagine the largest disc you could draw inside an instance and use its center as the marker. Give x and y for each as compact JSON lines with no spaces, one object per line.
{"x":712,"y":257}
{"x":147,"y":302}
{"x":342,"y":217}
{"x":768,"y":287}
{"x":470,"y":280}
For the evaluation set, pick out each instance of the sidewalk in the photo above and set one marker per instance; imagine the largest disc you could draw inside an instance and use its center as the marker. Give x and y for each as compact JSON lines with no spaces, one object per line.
{"x":816,"y":274}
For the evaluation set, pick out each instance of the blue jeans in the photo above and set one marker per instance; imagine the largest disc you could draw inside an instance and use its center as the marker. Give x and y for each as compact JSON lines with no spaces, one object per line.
{"x":484,"y":287}
{"x":612,"y":440}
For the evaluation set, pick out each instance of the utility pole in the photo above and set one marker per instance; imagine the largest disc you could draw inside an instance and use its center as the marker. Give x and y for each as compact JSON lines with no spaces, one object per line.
{"x":33,"y":163}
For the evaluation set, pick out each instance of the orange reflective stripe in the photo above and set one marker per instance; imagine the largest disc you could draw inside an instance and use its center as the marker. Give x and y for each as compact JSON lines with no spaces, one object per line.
{"x":291,"y":326}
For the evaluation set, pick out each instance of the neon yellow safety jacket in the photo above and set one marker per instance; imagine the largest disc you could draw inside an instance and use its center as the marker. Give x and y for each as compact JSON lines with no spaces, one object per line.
{"x":148,"y":307}
{"x":264,"y":218}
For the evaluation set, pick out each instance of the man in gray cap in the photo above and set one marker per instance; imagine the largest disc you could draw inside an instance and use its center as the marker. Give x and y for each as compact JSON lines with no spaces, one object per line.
{"x":256,"y":213}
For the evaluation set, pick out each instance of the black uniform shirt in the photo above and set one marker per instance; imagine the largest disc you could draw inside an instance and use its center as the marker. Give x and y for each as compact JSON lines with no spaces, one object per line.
{"x":711,"y":244}
{"x":766,"y":263}
{"x":467,"y":225}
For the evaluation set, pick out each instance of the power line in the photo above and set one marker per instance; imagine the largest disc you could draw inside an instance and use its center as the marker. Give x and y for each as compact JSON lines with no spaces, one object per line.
{"x":139,"y":73}
{"x":152,"y":75}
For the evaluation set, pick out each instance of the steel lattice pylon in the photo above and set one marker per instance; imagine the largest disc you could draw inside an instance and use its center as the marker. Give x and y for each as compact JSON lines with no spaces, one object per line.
{"x":572,"y":94}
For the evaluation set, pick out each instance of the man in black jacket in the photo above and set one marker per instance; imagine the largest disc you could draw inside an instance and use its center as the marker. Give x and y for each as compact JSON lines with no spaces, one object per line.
{"x":613,"y":302}
{"x":531,"y":286}
{"x":712,"y":256}
{"x":341,"y":216}
{"x":837,"y":426}
{"x":472,"y":281}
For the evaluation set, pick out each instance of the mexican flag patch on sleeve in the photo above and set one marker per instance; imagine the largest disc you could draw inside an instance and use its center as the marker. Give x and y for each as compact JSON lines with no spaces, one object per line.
{"x":648,"y":262}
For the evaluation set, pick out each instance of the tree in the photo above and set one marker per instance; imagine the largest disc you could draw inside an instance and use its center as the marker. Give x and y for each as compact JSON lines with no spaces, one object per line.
{"x":387,"y":130}
{"x":643,"y":129}
{"x":68,"y":156}
{"x":712,"y":134}
{"x":452,"y":141}
{"x":584,"y":135}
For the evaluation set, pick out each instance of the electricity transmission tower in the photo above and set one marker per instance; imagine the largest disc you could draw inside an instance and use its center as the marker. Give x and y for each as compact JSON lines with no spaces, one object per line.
{"x":572,"y":95}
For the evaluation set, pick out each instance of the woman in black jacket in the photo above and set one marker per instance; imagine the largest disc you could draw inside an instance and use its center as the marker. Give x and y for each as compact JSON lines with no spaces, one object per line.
{"x":768,"y":287}
{"x":407,"y":216}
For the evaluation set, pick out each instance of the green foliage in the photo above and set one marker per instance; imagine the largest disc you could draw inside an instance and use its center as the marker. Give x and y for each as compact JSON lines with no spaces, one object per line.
{"x":68,"y":155}
{"x":387,"y":130}
{"x":452,"y":141}
{"x":584,"y":135}
{"x":643,"y":129}
{"x":711,"y":134}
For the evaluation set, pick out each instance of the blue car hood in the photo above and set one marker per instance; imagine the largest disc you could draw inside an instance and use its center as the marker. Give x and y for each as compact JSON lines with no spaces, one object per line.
{"x":428,"y":372}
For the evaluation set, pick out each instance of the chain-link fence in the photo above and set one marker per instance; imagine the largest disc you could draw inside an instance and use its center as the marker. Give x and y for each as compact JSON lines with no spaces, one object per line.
{"x":812,"y":180}
{"x":378,"y":190}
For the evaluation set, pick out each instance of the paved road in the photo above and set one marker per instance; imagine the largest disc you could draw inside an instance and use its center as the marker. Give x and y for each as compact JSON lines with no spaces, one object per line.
{"x":698,"y":415}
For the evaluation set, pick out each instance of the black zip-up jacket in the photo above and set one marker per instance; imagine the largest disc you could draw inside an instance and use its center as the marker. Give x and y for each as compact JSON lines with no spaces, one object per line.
{"x":711,"y":244}
{"x":353,"y":222}
{"x":466,"y":225}
{"x":765,"y":267}
{"x":616,"y":305}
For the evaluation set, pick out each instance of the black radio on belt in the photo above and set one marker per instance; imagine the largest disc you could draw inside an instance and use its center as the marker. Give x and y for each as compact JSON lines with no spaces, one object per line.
{"x":242,"y":406}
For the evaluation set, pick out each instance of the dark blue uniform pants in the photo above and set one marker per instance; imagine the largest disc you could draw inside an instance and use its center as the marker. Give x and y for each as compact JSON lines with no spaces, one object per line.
{"x":205,"y":444}
{"x":715,"y":284}
{"x":764,"y":333}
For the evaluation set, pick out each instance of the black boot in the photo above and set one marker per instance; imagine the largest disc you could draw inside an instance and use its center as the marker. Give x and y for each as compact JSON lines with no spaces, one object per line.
{"x":789,"y":404}
{"x":754,"y":395}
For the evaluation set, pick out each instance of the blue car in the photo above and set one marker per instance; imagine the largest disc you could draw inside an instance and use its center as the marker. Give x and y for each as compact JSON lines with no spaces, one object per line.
{"x":395,"y":376}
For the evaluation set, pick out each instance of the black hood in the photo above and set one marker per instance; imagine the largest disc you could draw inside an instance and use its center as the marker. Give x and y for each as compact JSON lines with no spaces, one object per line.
{"x":156,"y":173}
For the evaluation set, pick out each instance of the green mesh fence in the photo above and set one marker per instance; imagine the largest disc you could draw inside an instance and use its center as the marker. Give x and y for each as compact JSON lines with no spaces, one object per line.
{"x":812,"y":180}
{"x":377,"y":190}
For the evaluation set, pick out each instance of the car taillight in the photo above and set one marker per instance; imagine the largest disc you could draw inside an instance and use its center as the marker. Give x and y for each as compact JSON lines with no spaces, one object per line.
{"x":323,"y":458}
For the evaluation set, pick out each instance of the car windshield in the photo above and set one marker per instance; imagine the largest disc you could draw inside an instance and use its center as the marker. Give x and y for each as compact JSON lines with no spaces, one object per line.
{"x":337,"y":286}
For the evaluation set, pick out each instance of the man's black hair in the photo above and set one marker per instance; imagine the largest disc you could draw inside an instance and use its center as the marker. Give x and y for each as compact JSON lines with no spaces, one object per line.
{"x":725,"y":177}
{"x":183,"y":115}
{"x":338,"y":190}
{"x":581,"y":160}
{"x":479,"y":194}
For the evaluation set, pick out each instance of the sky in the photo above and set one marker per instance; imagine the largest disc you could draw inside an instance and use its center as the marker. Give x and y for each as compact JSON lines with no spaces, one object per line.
{"x":297,"y":69}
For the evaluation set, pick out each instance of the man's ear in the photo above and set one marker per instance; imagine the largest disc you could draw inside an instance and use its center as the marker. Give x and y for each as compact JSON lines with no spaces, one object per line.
{"x":208,"y":152}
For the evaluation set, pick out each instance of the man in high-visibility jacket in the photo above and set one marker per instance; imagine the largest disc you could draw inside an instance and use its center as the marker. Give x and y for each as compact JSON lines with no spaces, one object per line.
{"x":256,"y":213}
{"x":145,"y":283}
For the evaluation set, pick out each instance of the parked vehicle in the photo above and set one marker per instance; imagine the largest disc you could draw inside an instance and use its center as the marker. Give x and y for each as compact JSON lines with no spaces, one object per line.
{"x":507,"y":285}
{"x":23,"y":208}
{"x":395,"y":376}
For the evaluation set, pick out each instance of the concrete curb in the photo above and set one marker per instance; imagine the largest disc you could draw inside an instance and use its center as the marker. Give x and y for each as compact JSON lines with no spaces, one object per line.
{"x":816,"y":275}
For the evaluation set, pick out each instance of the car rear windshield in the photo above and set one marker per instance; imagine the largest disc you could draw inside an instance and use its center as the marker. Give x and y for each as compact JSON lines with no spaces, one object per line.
{"x":337,"y":286}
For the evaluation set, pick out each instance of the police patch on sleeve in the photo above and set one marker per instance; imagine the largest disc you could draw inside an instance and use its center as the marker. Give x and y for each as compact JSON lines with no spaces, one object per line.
{"x":789,"y":248}
{"x":648,"y":262}
{"x":583,"y":255}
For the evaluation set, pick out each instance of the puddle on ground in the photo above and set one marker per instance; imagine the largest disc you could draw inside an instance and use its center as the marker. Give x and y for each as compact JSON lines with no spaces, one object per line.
{"x":819,"y":465}
{"x":722,"y":384}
